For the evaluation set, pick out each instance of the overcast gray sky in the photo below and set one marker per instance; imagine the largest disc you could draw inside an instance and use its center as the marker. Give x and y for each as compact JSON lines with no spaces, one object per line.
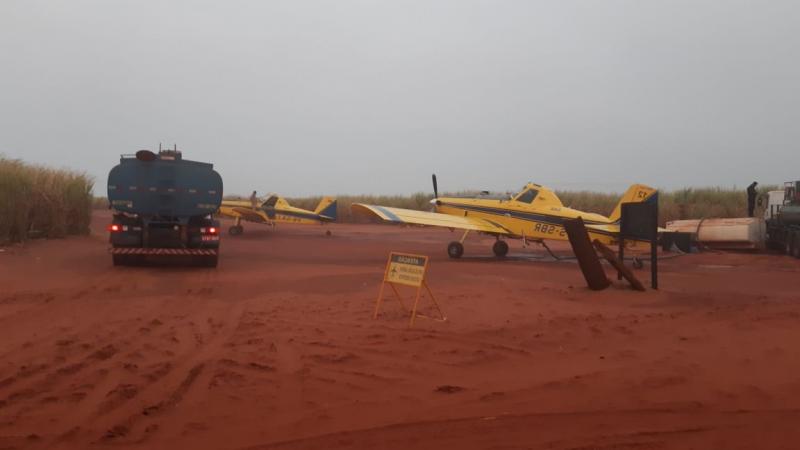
{"x":312,"y":97}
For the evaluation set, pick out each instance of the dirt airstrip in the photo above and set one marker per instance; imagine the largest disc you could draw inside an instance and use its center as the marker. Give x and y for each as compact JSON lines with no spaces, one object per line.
{"x":276,"y":349}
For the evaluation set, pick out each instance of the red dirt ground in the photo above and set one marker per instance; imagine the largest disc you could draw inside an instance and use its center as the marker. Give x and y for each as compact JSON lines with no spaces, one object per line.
{"x":276,"y":349}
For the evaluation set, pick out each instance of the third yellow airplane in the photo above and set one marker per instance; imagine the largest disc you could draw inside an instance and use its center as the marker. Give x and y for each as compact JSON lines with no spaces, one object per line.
{"x":535,"y":214}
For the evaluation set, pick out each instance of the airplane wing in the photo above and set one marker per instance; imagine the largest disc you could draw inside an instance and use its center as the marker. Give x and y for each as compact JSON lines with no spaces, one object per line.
{"x":249,"y":214}
{"x":244,"y":212}
{"x":400,"y":215}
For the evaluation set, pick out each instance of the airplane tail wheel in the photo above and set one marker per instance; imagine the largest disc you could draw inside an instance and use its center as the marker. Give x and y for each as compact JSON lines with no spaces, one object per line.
{"x":236,"y":230}
{"x":500,"y":248}
{"x":455,"y":249}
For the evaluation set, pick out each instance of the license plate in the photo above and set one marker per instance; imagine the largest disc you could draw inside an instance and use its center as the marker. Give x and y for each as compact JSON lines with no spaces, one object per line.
{"x":210,"y":238}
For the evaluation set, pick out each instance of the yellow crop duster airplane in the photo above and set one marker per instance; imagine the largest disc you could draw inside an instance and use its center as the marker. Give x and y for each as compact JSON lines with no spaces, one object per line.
{"x":534,"y":214}
{"x":275,"y":210}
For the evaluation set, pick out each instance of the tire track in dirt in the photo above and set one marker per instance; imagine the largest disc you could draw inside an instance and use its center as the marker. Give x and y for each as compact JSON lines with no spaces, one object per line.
{"x":601,"y":430}
{"x":49,"y":380}
{"x":72,"y":357}
{"x":134,"y":421}
{"x":107,"y":386}
{"x":61,"y":306}
{"x":123,"y":429}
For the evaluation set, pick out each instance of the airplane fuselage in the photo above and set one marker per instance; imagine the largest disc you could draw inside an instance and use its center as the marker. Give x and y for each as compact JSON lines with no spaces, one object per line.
{"x":271,"y":214}
{"x":534,"y":214}
{"x":523,"y":220}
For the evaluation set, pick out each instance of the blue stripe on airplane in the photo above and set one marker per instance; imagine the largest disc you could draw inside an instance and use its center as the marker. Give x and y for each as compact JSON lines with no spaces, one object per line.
{"x":392,"y":216}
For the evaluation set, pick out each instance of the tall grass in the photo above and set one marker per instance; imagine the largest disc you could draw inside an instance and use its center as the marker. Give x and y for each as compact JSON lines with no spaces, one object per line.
{"x":688,"y":203}
{"x":37,"y":201}
{"x":419,"y":201}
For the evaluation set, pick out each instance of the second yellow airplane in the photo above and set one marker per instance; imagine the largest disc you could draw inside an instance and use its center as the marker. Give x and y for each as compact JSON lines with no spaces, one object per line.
{"x":275,"y":210}
{"x":535,"y":214}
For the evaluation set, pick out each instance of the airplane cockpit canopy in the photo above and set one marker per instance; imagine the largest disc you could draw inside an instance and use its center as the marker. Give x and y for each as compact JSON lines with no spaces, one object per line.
{"x":270,"y":202}
{"x":528,"y":195}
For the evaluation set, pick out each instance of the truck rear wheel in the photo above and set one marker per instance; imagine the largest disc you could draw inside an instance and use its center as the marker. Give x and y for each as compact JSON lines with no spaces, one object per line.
{"x":126,"y":260}
{"x":208,"y":261}
{"x":796,"y":245}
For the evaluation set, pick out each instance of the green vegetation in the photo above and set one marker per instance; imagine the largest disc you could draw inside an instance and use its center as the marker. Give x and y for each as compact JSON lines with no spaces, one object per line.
{"x":100,"y":203}
{"x":419,"y":201}
{"x":37,"y":201}
{"x":689,"y":203}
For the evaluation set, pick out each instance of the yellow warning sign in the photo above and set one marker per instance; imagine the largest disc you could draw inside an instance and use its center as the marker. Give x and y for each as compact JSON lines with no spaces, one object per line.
{"x":406,"y":269}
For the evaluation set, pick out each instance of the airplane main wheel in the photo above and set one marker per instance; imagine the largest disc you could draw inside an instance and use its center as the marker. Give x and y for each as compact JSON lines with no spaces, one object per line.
{"x":236,"y":230}
{"x":500,"y":248}
{"x":455,"y":249}
{"x":208,"y":261}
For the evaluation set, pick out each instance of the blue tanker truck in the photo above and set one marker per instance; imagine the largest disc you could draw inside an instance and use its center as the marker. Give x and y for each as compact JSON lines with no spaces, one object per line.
{"x":163,"y":206}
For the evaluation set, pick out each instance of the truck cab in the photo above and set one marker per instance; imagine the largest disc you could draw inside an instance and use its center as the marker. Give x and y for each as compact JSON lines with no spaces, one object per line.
{"x":783,"y":219}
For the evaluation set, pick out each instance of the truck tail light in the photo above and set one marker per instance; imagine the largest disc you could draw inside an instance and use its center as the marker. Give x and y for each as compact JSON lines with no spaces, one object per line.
{"x":114,"y":227}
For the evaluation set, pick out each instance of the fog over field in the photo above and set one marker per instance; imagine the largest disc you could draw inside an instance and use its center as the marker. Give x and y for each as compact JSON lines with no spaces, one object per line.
{"x":308,"y":97}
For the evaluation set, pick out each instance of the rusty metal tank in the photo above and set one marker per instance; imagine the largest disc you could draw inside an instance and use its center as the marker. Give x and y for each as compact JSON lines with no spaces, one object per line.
{"x":736,"y":233}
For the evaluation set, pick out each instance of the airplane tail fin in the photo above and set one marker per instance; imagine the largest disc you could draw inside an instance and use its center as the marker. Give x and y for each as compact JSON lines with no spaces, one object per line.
{"x":327,"y":208}
{"x":635,"y":194}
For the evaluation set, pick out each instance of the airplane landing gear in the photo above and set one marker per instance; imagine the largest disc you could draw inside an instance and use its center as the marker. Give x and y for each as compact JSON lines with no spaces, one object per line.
{"x":455,"y":249}
{"x":500,"y":248}
{"x":237,"y":227}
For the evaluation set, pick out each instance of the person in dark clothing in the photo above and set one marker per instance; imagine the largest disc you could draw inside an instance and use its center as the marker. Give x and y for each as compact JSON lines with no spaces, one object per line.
{"x":254,"y":200}
{"x":751,"y":199}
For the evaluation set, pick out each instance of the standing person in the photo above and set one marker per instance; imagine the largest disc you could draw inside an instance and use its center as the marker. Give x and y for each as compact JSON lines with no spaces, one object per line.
{"x":254,"y":200}
{"x":751,"y":199}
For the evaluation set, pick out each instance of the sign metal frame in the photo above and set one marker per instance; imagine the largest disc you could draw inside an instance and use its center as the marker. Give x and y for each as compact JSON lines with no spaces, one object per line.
{"x":639,"y":221}
{"x":415,"y":277}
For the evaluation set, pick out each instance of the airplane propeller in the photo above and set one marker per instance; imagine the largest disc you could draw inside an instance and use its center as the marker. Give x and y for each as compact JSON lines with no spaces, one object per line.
{"x":435,"y":200}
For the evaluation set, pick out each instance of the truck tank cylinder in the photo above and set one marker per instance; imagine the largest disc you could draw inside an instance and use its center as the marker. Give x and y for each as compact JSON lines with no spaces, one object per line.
{"x":790,"y":215}
{"x":173,"y":187}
